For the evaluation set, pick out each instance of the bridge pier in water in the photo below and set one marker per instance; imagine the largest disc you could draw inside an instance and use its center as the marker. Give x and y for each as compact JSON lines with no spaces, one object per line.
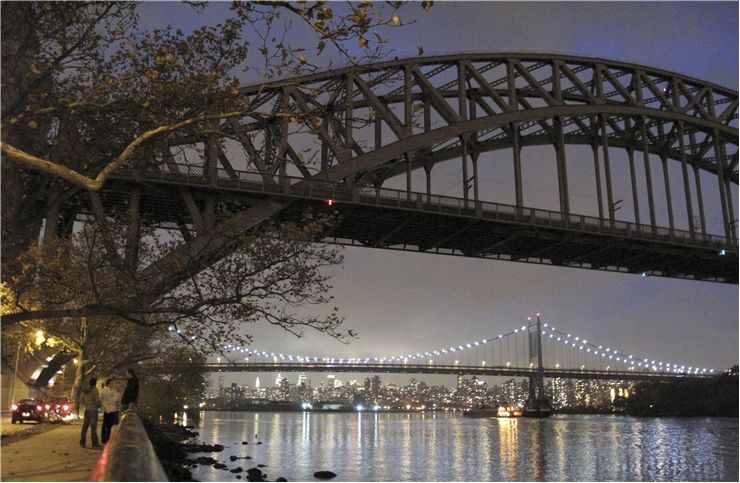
{"x":538,"y":405}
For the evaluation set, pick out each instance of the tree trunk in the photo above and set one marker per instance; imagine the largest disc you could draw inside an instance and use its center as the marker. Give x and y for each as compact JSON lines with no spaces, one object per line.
{"x":81,"y":370}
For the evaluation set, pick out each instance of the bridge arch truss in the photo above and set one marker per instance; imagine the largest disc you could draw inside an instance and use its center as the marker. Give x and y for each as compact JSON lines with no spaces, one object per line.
{"x":371,"y":138}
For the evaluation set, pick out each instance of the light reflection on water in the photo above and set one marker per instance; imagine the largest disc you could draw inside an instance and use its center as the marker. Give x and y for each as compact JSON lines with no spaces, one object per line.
{"x":443,"y":447}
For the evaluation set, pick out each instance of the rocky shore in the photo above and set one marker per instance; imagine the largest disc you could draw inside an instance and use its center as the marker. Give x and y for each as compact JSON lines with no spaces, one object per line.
{"x":175,"y":444}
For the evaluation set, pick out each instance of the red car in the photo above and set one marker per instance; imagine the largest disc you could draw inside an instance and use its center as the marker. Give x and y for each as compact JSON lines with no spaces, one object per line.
{"x":27,"y":410}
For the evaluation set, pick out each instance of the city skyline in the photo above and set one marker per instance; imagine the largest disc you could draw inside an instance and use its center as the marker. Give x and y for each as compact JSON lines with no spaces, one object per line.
{"x":372,"y":393}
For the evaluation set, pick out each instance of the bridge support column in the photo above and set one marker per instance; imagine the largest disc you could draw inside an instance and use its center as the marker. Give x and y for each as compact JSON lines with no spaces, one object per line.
{"x":607,"y":170}
{"x":464,"y":156}
{"x":428,"y":172}
{"x":476,"y":192}
{"x":517,"y":150}
{"x":597,"y":177}
{"x":633,"y":180}
{"x":538,"y":403}
{"x":697,"y":183}
{"x":562,"y":168}
{"x":648,"y":177}
{"x":725,"y":194}
{"x":669,"y":200}
{"x":685,"y":175}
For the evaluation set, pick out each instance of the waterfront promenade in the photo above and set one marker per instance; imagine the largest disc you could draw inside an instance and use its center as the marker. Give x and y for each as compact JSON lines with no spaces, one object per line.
{"x":53,"y":455}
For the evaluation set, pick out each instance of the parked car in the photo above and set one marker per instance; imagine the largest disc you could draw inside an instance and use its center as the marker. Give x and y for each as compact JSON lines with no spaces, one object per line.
{"x":56,"y":409}
{"x":27,"y":410}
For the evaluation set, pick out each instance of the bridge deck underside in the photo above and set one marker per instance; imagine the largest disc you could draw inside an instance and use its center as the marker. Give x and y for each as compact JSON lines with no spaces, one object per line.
{"x":414,"y":227}
{"x":474,"y":237}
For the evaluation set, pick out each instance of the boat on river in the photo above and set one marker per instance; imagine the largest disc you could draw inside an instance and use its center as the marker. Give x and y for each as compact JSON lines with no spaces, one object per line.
{"x":509,"y":412}
{"x":541,"y":409}
{"x":494,"y":412}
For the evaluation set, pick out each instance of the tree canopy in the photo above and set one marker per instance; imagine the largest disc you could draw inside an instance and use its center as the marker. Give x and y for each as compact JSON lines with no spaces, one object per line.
{"x":86,"y":91}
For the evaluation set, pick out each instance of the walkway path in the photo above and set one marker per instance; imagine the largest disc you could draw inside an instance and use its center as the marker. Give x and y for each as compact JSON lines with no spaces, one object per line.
{"x":51,"y":456}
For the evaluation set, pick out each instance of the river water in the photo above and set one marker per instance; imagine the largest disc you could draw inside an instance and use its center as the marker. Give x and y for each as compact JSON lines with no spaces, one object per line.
{"x":448,"y":447}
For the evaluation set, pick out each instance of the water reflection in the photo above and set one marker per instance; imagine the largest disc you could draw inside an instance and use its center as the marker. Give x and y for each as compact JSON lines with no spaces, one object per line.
{"x":444,"y":447}
{"x":507,"y":430}
{"x":539,"y":456}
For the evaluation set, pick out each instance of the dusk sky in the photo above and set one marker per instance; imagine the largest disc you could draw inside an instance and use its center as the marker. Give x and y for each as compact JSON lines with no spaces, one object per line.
{"x":402,"y":302}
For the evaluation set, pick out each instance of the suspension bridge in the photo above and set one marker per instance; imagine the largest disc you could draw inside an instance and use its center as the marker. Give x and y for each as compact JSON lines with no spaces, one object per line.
{"x":535,"y":350}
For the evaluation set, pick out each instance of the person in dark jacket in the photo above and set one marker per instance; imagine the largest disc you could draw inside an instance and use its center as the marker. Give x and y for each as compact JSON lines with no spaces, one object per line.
{"x":131,"y":392}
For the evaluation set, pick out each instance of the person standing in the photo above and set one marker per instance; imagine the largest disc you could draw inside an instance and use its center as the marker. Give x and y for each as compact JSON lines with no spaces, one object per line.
{"x":90,"y":401}
{"x":131,"y":392}
{"x":111,"y":401}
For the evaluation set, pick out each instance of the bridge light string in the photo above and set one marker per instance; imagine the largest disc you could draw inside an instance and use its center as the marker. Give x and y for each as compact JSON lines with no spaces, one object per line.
{"x":422,"y":356}
{"x":621,"y":357}
{"x":549,"y":332}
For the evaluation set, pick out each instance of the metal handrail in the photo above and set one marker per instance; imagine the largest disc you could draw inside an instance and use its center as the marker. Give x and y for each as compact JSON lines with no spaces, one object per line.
{"x":315,"y":188}
{"x":129,"y":455}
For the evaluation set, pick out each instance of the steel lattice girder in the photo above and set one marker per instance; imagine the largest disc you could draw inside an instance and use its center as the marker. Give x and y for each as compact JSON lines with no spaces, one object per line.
{"x":354,"y":128}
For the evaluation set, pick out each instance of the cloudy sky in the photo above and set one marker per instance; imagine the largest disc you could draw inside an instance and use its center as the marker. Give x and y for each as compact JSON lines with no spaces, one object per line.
{"x":403,"y":302}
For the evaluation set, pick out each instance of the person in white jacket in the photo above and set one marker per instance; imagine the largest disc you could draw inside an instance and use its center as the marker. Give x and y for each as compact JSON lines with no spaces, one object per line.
{"x":111,"y":400}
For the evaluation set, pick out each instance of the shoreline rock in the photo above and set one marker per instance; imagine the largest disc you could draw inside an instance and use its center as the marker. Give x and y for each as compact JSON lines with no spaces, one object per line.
{"x":202,"y":448}
{"x":325,"y":475}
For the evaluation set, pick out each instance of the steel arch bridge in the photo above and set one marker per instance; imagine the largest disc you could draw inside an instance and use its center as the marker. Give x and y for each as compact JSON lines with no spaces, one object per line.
{"x":370,"y":140}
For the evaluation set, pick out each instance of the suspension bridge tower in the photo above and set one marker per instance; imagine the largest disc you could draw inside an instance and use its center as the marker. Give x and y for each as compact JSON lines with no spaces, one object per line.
{"x":538,"y":405}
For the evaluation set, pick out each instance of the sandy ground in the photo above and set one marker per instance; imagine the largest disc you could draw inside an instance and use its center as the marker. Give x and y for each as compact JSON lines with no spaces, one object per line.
{"x":54,"y":455}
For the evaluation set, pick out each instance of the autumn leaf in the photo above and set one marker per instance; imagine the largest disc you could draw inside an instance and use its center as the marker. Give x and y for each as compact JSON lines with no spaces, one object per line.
{"x":421,"y":50}
{"x":396,"y":20}
{"x":302,"y":59}
{"x":320,"y":47}
{"x":362,"y":41}
{"x":33,"y":124}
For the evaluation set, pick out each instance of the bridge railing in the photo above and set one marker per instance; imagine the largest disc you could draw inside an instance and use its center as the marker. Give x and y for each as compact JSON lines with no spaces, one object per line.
{"x":318,"y":189}
{"x":129,"y":455}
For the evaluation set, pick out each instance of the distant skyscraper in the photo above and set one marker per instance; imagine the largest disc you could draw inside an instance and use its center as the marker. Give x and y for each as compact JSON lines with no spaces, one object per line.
{"x":257,"y":383}
{"x":302,"y":378}
{"x":278,"y":379}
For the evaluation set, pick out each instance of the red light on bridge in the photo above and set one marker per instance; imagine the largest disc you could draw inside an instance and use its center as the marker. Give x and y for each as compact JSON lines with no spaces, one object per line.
{"x":330,"y":202}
